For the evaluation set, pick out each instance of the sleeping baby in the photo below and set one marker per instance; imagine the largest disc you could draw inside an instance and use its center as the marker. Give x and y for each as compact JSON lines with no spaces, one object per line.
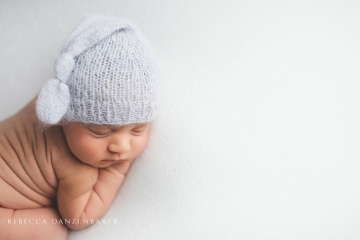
{"x":64,"y":156}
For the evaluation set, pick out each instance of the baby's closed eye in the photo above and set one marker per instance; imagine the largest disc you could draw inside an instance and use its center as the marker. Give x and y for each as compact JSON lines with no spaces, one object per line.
{"x":100,"y":130}
{"x":139,"y":129}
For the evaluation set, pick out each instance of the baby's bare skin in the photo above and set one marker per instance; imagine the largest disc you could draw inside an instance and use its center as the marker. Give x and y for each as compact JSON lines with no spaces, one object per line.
{"x":42,"y":179}
{"x":28,"y":182}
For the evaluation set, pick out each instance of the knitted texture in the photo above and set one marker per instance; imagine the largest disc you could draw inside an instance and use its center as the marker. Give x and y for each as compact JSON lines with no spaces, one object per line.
{"x":106,"y":74}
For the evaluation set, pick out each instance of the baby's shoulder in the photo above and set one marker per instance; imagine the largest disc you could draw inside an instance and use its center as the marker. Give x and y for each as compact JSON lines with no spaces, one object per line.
{"x":69,"y":167}
{"x":63,"y":160}
{"x":72,"y":174}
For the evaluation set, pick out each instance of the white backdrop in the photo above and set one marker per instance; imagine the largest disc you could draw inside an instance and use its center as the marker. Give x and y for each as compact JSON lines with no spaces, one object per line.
{"x":258,"y":135}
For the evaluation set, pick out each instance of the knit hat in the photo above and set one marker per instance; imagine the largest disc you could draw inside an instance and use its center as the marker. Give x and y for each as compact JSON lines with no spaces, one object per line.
{"x":106,"y":74}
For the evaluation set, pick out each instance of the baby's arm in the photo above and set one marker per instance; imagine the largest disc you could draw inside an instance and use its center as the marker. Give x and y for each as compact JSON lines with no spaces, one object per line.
{"x":86,"y":193}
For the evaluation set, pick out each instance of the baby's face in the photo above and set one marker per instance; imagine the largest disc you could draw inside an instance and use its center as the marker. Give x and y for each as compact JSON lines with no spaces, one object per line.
{"x":102,"y":145}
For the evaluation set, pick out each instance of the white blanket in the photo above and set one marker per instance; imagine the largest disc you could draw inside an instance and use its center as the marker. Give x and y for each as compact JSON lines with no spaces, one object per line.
{"x":258,"y":132}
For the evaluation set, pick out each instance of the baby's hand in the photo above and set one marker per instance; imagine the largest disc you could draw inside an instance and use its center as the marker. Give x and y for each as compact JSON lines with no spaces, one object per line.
{"x":118,"y":168}
{"x":115,"y":173}
{"x":93,"y":201}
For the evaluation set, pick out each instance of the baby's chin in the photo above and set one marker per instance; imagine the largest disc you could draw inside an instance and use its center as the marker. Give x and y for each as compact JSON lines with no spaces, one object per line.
{"x":106,"y":163}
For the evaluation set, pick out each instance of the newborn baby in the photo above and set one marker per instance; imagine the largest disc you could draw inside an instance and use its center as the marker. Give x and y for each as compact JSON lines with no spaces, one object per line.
{"x":64,"y":156}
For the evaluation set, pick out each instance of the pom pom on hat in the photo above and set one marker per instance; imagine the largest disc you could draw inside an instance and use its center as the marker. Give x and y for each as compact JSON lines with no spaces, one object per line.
{"x":53,"y":101}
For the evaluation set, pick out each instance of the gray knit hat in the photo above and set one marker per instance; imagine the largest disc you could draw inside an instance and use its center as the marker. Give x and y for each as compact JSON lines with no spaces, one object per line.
{"x":106,"y":74}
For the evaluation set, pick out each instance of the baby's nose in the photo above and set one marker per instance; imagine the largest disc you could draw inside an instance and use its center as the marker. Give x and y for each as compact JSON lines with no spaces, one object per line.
{"x":120,"y":144}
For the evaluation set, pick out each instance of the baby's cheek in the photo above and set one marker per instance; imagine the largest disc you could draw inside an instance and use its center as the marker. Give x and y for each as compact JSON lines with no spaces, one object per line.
{"x":141,"y":146}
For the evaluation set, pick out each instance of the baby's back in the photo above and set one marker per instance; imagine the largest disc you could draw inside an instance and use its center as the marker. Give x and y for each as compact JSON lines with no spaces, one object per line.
{"x":27,"y":178}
